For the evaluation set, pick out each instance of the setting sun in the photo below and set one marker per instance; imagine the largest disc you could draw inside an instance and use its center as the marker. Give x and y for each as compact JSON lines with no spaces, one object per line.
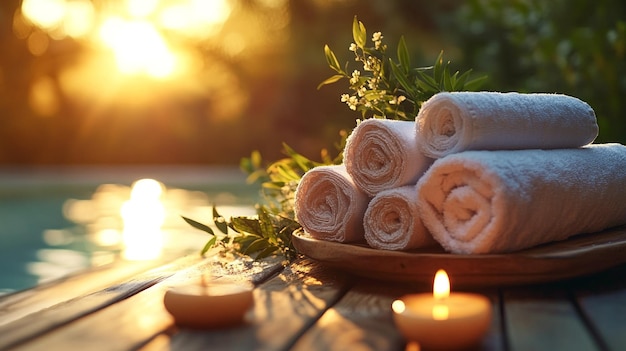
{"x":138,"y":47}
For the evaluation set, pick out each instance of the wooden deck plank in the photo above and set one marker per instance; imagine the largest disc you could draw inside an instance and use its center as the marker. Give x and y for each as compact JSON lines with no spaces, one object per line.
{"x":23,"y":303}
{"x":129,"y":322}
{"x":285,"y":307}
{"x":544,"y":318}
{"x":607,"y":312}
{"x":361,"y":320}
{"x":39,"y":323}
{"x":603,"y":303}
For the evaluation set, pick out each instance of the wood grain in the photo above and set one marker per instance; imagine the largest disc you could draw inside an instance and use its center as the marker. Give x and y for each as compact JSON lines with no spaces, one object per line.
{"x":361,"y":320}
{"x":41,"y":322}
{"x":577,"y":256}
{"x":544,"y":319}
{"x":602,"y":300}
{"x":23,"y":303}
{"x":104,"y":321}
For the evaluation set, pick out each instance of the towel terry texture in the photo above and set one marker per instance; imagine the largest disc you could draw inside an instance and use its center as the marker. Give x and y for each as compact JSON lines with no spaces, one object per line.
{"x":392,"y":221}
{"x":383,"y":154}
{"x":329,"y":206}
{"x":456,"y":121}
{"x":478,"y":202}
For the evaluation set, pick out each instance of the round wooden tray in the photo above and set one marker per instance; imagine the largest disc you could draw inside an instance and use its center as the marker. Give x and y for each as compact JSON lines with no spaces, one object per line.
{"x":577,"y":256}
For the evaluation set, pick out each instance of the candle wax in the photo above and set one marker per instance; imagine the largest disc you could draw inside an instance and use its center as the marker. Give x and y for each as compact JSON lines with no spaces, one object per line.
{"x":215,"y":305}
{"x":457,"y":321}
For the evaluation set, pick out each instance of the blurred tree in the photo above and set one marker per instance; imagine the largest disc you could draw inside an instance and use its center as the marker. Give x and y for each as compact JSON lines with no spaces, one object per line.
{"x":247,"y":96}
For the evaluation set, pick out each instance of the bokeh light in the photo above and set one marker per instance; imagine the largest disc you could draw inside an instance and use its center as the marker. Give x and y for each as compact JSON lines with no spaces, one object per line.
{"x":137,"y":32}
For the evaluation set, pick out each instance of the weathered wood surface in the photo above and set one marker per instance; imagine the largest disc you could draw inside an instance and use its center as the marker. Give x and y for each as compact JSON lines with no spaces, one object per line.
{"x":131,"y":310}
{"x":541,"y":319}
{"x":361,"y":320}
{"x":303,"y":306}
{"x":602,"y":301}
{"x":22,"y":303}
{"x":45,"y":320}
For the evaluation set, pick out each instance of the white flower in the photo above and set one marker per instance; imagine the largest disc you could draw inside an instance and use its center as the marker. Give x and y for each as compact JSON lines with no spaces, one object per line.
{"x":371,"y":64}
{"x":352,"y":47}
{"x":353,"y":102}
{"x":355,"y":77}
{"x":397,"y":100}
{"x":377,"y":38}
{"x":372,"y":83}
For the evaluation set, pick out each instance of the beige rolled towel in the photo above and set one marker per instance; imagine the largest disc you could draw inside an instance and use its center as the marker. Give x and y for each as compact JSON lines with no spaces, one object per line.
{"x":479,"y":202}
{"x":392,"y":221}
{"x":453,"y":122}
{"x":383,"y":154}
{"x":329,"y":206}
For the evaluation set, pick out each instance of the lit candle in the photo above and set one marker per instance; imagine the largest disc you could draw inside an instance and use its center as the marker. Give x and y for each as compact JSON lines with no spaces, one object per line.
{"x":208,"y":305}
{"x":443,"y":320}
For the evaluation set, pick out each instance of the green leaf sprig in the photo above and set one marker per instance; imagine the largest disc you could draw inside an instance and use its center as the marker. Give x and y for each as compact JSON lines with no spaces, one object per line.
{"x":383,"y":88}
{"x":257,"y":237}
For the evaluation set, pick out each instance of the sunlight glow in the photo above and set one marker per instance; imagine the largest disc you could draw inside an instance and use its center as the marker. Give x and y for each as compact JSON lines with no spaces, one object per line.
{"x":135,"y":31}
{"x":141,"y":8}
{"x":79,"y":18}
{"x":43,"y":97}
{"x":138,"y":47}
{"x":197,"y":18}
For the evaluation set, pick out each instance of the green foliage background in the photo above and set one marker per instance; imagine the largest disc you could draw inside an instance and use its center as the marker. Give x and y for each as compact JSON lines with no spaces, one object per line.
{"x":574,"y":47}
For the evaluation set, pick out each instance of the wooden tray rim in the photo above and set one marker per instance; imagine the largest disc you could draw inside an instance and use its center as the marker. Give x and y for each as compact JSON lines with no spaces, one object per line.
{"x":577,"y":256}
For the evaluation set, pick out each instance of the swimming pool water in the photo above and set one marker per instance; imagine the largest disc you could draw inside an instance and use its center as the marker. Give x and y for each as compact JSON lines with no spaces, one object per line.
{"x":58,"y":221}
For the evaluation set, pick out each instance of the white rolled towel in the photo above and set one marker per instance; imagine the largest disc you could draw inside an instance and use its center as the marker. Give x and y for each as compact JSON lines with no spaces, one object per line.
{"x":383,"y":154}
{"x":329,"y":206}
{"x":456,"y":121}
{"x":392,"y":221}
{"x":479,"y":202}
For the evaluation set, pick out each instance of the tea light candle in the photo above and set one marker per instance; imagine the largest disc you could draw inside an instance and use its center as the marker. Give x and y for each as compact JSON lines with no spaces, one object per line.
{"x":443,"y":320}
{"x":208,"y":305}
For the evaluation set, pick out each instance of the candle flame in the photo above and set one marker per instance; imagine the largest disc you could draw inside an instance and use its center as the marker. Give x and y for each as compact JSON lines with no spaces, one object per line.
{"x":441,"y":285}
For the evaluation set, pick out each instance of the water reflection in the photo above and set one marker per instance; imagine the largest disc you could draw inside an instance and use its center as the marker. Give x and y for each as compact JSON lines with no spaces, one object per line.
{"x":143,"y":215}
{"x":138,"y":222}
{"x":144,"y":219}
{"x":56,"y":263}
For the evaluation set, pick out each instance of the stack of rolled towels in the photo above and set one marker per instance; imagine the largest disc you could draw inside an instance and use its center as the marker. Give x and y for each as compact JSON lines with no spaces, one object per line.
{"x":476,"y":173}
